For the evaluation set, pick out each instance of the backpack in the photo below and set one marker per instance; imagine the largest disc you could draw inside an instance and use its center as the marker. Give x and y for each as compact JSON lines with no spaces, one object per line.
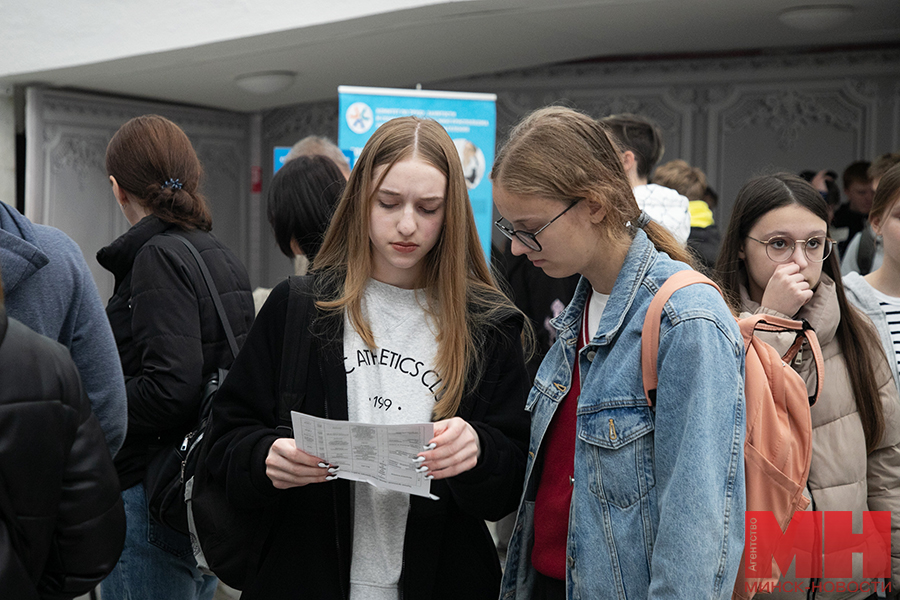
{"x":228,"y":542}
{"x":172,"y":465}
{"x":778,"y":444}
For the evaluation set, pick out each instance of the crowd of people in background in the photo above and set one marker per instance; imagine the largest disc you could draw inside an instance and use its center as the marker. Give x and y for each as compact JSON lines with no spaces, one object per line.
{"x":541,"y":423}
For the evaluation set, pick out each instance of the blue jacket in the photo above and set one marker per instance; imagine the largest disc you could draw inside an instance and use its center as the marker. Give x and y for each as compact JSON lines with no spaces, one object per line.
{"x":658,"y":501}
{"x":49,"y":287}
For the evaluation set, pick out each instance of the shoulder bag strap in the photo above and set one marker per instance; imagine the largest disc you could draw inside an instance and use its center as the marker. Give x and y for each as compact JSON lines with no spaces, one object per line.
{"x":865,"y":252}
{"x":650,"y":332}
{"x":213,"y":292}
{"x":295,"y":351}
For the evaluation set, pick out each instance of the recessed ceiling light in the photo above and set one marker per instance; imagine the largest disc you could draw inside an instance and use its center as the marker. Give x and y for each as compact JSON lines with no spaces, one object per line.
{"x":819,"y":17}
{"x":265,"y":82}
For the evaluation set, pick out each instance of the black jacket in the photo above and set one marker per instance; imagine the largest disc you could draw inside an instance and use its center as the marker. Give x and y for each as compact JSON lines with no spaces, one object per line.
{"x":56,"y":476}
{"x":448,"y":552}
{"x":538,"y":295}
{"x":167,"y":330}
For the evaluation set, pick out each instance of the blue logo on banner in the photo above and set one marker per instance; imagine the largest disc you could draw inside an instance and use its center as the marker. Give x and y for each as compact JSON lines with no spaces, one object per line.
{"x":280,"y":153}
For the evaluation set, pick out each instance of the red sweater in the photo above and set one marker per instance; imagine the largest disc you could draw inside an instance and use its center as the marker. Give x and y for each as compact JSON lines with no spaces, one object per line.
{"x":554,"y":494}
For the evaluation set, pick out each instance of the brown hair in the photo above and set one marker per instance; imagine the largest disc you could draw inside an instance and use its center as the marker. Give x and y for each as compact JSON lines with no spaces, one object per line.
{"x":640,"y":135}
{"x":688,"y":181}
{"x":564,"y":155}
{"x":887,"y":194}
{"x":882,"y":165}
{"x":144,"y":154}
{"x":460,"y":292}
{"x":856,"y":172}
{"x":856,"y":335}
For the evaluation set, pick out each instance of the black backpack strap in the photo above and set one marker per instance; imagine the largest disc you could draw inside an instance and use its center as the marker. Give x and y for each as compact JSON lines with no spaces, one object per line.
{"x":295,"y":351}
{"x":213,"y":292}
{"x":865,"y":252}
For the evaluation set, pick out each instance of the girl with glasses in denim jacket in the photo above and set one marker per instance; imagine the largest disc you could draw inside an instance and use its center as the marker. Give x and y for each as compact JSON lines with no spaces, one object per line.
{"x":776,"y":258}
{"x":621,"y":500}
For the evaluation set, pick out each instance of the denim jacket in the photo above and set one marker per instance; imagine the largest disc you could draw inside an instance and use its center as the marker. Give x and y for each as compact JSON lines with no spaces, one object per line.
{"x":658,"y":501}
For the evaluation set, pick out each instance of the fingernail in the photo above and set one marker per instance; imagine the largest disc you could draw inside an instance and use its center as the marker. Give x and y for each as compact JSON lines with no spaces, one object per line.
{"x":422,"y":469}
{"x":333,"y":469}
{"x":419,"y":459}
{"x":430,"y":446}
{"x":429,"y":477}
{"x":323,"y":465}
{"x":330,"y":477}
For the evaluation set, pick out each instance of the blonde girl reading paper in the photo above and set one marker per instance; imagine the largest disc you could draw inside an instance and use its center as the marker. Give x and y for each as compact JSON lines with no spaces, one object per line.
{"x":401,"y":277}
{"x":621,"y":500}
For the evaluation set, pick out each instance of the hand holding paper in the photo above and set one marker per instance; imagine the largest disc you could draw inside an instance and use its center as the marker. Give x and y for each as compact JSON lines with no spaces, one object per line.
{"x":287,"y":466}
{"x":456,"y":449}
{"x":382,"y":455}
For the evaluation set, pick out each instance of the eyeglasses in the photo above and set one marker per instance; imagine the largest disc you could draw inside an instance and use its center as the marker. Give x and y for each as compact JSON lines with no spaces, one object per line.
{"x":780,"y":249}
{"x":526,"y":237}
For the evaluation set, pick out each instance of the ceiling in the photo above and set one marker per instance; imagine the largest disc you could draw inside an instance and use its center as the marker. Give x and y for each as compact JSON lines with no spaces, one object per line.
{"x":441,"y":41}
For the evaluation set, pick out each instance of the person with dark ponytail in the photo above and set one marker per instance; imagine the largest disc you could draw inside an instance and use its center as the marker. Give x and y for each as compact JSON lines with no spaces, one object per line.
{"x":621,"y":500}
{"x":777,"y":258}
{"x":169,"y":336}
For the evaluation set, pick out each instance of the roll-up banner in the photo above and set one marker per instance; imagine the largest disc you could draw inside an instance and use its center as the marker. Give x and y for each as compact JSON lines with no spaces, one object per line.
{"x":470,"y":119}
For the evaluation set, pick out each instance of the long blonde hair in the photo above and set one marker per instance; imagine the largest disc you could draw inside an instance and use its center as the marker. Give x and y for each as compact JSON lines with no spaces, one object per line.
{"x":461,"y":295}
{"x":561,"y":154}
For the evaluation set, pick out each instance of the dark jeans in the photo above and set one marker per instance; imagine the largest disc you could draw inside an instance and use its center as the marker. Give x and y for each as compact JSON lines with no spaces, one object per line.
{"x":548,"y":588}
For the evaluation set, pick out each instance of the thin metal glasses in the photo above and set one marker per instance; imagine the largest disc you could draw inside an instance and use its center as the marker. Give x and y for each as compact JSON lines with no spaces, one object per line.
{"x":526,"y":237}
{"x":780,"y":249}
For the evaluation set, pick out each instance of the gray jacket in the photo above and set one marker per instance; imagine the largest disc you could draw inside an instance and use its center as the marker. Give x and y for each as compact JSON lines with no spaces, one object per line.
{"x":861,"y":294}
{"x":49,"y":288}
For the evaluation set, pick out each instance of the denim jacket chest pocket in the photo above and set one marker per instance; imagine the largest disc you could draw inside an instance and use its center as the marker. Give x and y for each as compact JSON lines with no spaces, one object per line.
{"x":619,"y":444}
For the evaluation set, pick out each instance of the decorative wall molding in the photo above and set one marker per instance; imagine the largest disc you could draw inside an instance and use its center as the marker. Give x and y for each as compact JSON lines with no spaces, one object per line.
{"x":791,"y":112}
{"x":311,"y":119}
{"x":79,"y":154}
{"x":66,"y":185}
{"x":222,"y":159}
{"x":90,"y":109}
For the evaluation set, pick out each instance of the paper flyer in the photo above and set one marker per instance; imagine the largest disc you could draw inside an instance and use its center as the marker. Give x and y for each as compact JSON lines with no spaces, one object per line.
{"x":381,"y":455}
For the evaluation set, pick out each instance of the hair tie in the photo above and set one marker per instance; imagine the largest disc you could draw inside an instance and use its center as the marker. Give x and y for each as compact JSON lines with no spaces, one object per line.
{"x":641,"y":221}
{"x":175,"y":184}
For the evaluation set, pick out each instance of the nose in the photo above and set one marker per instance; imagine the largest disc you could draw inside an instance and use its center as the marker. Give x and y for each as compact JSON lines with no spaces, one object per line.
{"x":407,"y":224}
{"x":518,"y":248}
{"x":799,"y":255}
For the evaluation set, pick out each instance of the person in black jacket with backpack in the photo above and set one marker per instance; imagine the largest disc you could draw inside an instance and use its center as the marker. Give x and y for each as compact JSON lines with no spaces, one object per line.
{"x":400,"y":276}
{"x":62,"y":524}
{"x":169,"y":335}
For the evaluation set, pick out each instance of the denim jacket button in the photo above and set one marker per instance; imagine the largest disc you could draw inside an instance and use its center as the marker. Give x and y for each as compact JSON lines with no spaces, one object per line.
{"x":590,"y":356}
{"x":570,"y":561}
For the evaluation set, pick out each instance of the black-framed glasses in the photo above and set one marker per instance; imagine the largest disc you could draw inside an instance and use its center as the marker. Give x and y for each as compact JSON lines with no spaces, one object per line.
{"x":526,"y":237}
{"x":780,"y":249}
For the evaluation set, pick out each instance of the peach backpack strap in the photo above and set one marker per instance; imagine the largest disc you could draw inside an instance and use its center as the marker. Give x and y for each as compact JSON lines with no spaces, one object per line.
{"x":650,"y":332}
{"x":763,"y":322}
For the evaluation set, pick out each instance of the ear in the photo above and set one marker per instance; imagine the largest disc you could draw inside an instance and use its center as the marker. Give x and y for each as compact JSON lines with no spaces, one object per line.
{"x":629,"y":161}
{"x":596,"y":210}
{"x":741,"y":254}
{"x":118,"y":192}
{"x":875,"y":222}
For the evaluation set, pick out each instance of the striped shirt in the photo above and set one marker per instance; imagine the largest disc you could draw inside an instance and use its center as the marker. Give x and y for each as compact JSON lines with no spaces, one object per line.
{"x":891,"y":307}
